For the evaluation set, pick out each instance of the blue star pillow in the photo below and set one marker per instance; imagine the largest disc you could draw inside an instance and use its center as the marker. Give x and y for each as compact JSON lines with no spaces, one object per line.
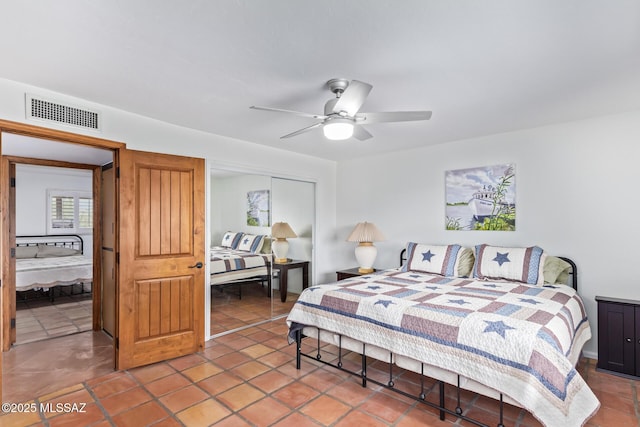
{"x":231,"y":239}
{"x":251,"y":243}
{"x":524,"y":265}
{"x":433,"y":259}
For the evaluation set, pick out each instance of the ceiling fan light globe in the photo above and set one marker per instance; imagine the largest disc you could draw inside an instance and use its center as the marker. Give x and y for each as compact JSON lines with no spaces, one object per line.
{"x":338,"y":129}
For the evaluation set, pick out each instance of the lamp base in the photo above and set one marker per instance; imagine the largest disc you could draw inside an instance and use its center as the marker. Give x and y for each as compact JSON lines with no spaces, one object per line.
{"x":366,"y":256}
{"x":280,"y":248}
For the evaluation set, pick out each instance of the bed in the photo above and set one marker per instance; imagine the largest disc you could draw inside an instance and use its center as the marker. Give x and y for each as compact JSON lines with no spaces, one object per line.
{"x":240,"y":259}
{"x":502,"y":332}
{"x":44,"y":262}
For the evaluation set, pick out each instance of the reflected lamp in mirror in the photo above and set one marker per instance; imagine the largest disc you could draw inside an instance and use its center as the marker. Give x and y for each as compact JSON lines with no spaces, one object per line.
{"x":365,"y":233}
{"x":281,"y":231}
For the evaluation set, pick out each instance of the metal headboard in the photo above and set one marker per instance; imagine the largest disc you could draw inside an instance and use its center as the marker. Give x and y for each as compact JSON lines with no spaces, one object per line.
{"x":573,"y":273}
{"x":72,"y":241}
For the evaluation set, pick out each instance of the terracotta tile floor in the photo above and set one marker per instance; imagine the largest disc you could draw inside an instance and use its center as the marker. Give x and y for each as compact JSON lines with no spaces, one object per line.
{"x":248,"y":378}
{"x":38,"y":318}
{"x":43,"y":367}
{"x":228,"y":312}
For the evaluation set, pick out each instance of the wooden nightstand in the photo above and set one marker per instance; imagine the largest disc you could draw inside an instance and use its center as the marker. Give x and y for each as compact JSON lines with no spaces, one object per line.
{"x":351,"y":272}
{"x":283,"y":274}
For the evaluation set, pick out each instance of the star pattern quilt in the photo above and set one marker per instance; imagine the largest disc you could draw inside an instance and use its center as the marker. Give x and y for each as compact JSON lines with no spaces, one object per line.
{"x":521,"y":340}
{"x":226,"y":259}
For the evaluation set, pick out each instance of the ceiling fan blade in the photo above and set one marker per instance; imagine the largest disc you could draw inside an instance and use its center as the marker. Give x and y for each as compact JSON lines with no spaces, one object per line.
{"x":303,"y":130}
{"x":297,"y":113}
{"x":361,"y":133}
{"x":393,"y":116}
{"x":352,"y":98}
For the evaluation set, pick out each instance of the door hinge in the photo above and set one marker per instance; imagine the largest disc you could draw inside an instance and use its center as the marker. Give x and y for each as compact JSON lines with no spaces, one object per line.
{"x":12,"y":323}
{"x":117,"y":343}
{"x":12,"y":252}
{"x":0,"y":283}
{"x":12,"y":182}
{"x":118,"y":172}
{"x":117,"y":257}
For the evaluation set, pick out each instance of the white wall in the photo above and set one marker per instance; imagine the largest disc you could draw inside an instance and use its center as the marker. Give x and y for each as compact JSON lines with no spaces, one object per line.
{"x":32,"y":183}
{"x":229,"y":204}
{"x":577,"y":187}
{"x":146,"y":134}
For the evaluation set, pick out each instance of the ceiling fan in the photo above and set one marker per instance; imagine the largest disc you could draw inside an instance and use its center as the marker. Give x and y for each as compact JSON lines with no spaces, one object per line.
{"x":342,"y":119}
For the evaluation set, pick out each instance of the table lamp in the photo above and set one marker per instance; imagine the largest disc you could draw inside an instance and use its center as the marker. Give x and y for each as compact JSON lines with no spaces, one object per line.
{"x":281,"y":231}
{"x":365,"y":233}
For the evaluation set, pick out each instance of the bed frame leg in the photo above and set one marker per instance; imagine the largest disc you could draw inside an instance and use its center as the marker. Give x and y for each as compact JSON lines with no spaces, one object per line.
{"x":423,"y":395}
{"x":390,"y":383}
{"x":501,"y":423}
{"x":441,"y":400}
{"x":364,"y":367}
{"x":458,"y":407}
{"x":298,"y":347}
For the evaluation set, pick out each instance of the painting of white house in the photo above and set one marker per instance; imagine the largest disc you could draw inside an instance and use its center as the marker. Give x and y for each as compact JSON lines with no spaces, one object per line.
{"x":482,"y":198}
{"x":258,"y":213}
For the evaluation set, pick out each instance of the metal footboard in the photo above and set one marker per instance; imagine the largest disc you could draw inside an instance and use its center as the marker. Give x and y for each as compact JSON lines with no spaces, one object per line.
{"x":458,"y":411}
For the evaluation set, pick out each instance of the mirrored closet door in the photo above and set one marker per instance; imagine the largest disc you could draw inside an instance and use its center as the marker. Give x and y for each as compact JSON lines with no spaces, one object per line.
{"x":246,"y":285}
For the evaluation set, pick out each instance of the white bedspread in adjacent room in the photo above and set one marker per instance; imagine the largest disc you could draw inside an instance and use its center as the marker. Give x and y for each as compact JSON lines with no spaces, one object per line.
{"x":48,"y":272}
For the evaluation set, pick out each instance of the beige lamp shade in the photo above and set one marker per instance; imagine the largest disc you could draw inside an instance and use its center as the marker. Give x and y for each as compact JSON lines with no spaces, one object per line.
{"x":282,"y":230}
{"x":280,"y":247}
{"x":365,"y":233}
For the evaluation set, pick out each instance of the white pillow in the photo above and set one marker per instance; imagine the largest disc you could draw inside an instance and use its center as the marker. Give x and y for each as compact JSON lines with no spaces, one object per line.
{"x":524,"y":265}
{"x":231,"y":239}
{"x":26,"y":252}
{"x":251,"y":243}
{"x":441,"y":260}
{"x":50,"y":251}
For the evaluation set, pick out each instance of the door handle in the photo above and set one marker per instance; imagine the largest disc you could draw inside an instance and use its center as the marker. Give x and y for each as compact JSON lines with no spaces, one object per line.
{"x":197,"y":265}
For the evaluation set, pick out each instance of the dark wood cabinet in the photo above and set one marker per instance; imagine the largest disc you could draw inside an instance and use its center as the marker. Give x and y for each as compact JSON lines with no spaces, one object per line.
{"x":619,"y":336}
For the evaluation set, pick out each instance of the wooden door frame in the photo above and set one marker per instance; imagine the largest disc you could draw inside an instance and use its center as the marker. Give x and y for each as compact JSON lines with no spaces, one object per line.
{"x":8,"y":243}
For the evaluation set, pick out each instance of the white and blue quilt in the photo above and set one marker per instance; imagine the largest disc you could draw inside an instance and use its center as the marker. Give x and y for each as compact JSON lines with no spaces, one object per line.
{"x":521,"y":340}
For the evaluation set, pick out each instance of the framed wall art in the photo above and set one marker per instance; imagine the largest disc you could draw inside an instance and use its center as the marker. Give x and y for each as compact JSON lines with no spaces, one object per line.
{"x":482,"y":198}
{"x":258,"y":213}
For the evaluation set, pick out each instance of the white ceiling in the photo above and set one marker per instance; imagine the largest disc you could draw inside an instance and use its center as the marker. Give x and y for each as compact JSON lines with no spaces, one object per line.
{"x":482,"y":67}
{"x":35,"y":148}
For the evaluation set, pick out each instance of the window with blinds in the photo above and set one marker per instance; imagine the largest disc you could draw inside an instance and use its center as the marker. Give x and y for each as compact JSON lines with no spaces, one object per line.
{"x":69,"y":212}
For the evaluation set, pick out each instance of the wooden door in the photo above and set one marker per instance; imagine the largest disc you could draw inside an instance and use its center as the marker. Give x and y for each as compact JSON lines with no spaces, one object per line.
{"x":161,"y":244}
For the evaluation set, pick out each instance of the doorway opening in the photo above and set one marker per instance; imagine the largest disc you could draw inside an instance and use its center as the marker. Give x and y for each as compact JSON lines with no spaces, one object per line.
{"x":51,"y":186}
{"x":54,"y":251}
